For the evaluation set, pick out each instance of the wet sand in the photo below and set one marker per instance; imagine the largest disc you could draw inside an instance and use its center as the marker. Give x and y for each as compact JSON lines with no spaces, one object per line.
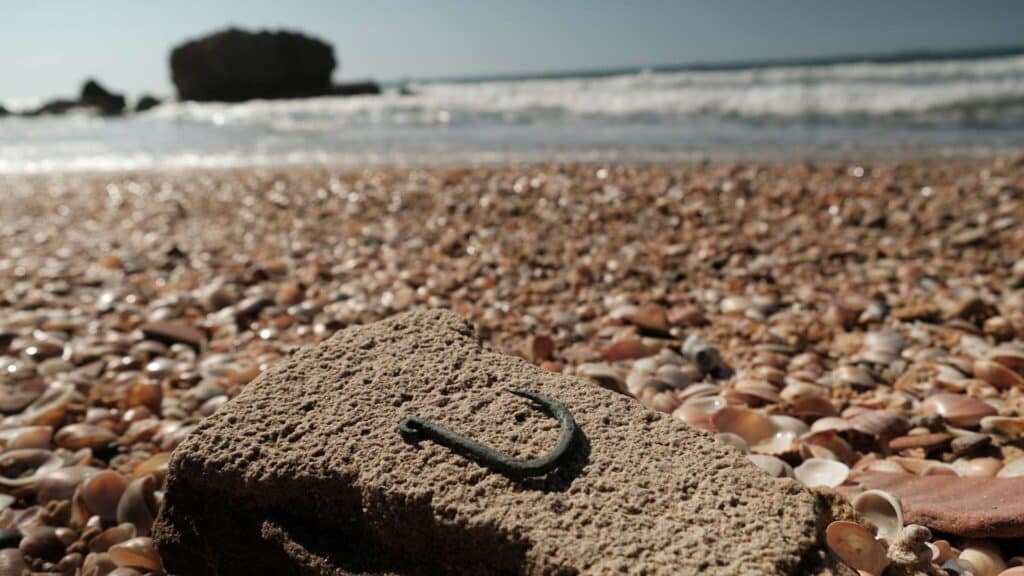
{"x":867,"y":315}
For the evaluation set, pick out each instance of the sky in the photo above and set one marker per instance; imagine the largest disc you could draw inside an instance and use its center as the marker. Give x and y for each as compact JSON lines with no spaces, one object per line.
{"x":48,"y":47}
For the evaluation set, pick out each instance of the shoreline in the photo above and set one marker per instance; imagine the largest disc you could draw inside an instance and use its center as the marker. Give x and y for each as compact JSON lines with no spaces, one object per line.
{"x":869,"y":299}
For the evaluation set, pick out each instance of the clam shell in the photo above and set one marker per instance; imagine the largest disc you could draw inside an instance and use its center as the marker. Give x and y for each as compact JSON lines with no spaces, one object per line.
{"x":41,"y":542}
{"x":61,"y":484}
{"x":997,"y":375}
{"x":854,"y":376}
{"x":881,"y":424}
{"x":819,"y":472}
{"x":1010,"y":356}
{"x":48,"y":410}
{"x":693,"y":416}
{"x":1012,"y":469}
{"x":796,"y":391}
{"x":136,"y":553}
{"x":102,"y":492}
{"x":733,"y":440}
{"x":28,"y":466}
{"x":775,"y":467}
{"x":784,"y":423}
{"x":138,"y":505}
{"x":978,"y":467}
{"x":985,"y":558}
{"x":1004,"y":426}
{"x":24,"y":437}
{"x":883,"y":510}
{"x":782,"y":443}
{"x":857,"y":547}
{"x":957,"y":409}
{"x":751,"y":425}
{"x":111,"y":536}
{"x":78,"y":436}
{"x":12,"y":562}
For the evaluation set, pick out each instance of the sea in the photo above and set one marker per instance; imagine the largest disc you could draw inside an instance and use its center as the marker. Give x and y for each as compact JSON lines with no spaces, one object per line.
{"x":906,"y":105}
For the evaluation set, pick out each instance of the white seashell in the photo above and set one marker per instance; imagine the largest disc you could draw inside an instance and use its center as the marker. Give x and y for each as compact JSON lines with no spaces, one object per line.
{"x":883,"y":510}
{"x":709,"y":404}
{"x":784,"y":423}
{"x":779,"y":444}
{"x":775,"y":467}
{"x":820,"y":472}
{"x":985,"y":558}
{"x":1012,"y":470}
{"x":733,"y":440}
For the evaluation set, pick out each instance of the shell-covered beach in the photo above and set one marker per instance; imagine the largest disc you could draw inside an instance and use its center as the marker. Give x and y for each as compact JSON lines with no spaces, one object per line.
{"x":851,"y":326}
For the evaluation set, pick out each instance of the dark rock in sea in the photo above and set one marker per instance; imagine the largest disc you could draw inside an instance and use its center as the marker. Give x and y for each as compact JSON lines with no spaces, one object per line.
{"x":235,"y":65}
{"x":355,"y":88}
{"x":3,"y":111}
{"x":56,"y":106}
{"x":94,"y":95}
{"x":146,"y":102}
{"x":307,"y":472}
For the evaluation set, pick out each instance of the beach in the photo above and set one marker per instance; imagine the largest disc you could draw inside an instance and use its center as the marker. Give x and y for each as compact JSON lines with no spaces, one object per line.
{"x":869,"y":315}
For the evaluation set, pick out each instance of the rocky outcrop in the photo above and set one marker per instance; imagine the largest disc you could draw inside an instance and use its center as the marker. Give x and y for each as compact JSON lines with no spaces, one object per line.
{"x":102,"y":100}
{"x":146,"y":102}
{"x":235,"y":65}
{"x":306,"y":472}
{"x":93,"y":97}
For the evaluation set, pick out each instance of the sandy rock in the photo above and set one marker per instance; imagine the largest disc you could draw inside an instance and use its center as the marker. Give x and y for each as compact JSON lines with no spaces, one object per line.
{"x":306,"y":472}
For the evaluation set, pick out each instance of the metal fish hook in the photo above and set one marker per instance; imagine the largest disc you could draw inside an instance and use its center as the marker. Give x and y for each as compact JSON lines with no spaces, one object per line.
{"x":414,"y":428}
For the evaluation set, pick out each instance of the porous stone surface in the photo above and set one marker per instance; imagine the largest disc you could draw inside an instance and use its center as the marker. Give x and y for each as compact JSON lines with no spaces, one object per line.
{"x":305,"y":473}
{"x":977,"y":507}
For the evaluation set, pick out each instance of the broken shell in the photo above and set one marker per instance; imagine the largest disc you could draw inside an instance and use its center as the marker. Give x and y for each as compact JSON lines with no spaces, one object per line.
{"x":136,"y":553}
{"x":882,"y":424}
{"x":12,"y":562}
{"x":138,"y":504}
{"x":1012,"y":469}
{"x":985,"y":558}
{"x":957,"y":409}
{"x":883,"y":510}
{"x":733,"y":440}
{"x":1004,"y":426}
{"x":41,"y":542}
{"x":24,"y":437}
{"x":25,"y":467}
{"x":750,"y":425}
{"x":102,"y":492}
{"x":820,"y":472}
{"x":857,"y":547}
{"x":112,"y":536}
{"x":78,"y":436}
{"x":997,"y":375}
{"x":48,"y":410}
{"x":776,"y":467}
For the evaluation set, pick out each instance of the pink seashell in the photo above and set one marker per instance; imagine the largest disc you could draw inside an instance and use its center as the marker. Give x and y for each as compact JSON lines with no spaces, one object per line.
{"x":957,"y":409}
{"x":857,"y":547}
{"x":752,"y":426}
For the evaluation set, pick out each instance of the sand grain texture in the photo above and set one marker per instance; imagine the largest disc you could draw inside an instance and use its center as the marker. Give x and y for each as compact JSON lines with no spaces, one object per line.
{"x":305,"y":473}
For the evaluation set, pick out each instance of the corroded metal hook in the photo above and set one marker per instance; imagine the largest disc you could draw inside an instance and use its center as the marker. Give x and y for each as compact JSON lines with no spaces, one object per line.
{"x":414,"y":428}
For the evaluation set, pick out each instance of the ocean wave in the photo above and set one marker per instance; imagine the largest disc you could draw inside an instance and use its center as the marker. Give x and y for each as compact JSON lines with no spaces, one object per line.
{"x":988,"y":90}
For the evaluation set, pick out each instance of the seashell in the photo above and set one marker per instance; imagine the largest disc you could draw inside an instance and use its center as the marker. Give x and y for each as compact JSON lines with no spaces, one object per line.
{"x":626,"y":349}
{"x":775,"y":467}
{"x":779,"y":444}
{"x":646,"y":366}
{"x":125,"y":571}
{"x":136,"y":553}
{"x":829,"y":445}
{"x":693,"y":416}
{"x":882,"y":424}
{"x":819,"y":472}
{"x":1012,"y":469}
{"x":673,"y":376}
{"x":1004,"y":426}
{"x":830,"y":423}
{"x":942,"y":551}
{"x":102,"y":492}
{"x":857,"y":547}
{"x":733,"y":440}
{"x":12,"y":562}
{"x":41,"y":542}
{"x":997,"y":375}
{"x":709,"y":404}
{"x":888,"y":340}
{"x":758,"y":391}
{"x":984,"y":557}
{"x":28,"y":466}
{"x":949,"y":378}
{"x":700,"y":390}
{"x":111,"y":536}
{"x":1010,"y":356}
{"x":978,"y":467}
{"x":664,"y":401}
{"x":750,"y":425}
{"x":155,"y":465}
{"x":784,"y":423}
{"x":923,"y":467}
{"x":47,"y":410}
{"x":812,"y":407}
{"x":957,"y":409}
{"x":854,"y":376}
{"x":25,"y":437}
{"x":138,"y":504}
{"x":970,"y":442}
{"x":61,"y":484}
{"x":70,"y":562}
{"x":795,"y":392}
{"x":927,"y":441}
{"x":605,"y":375}
{"x":883,"y":510}
{"x":886,"y":466}
{"x":702,"y":354}
{"x":78,"y":436}
{"x":98,"y":564}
